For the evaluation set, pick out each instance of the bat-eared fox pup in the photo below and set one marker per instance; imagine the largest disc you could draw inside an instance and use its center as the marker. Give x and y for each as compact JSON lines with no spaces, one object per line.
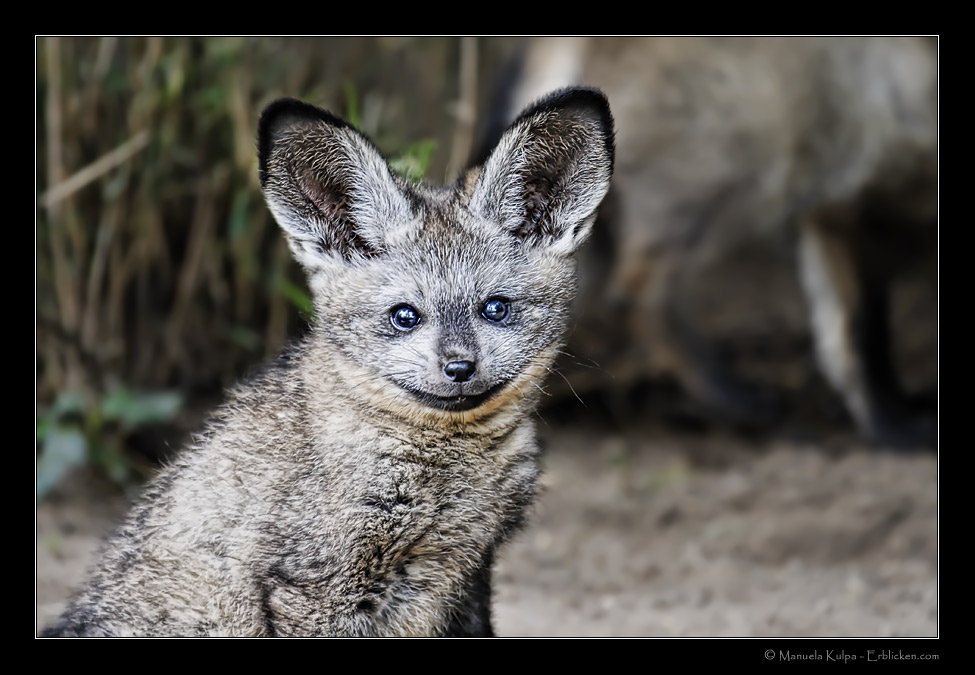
{"x":362,"y":483}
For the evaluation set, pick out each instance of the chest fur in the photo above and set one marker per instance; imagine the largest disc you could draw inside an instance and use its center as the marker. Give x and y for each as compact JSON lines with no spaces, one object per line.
{"x":400,"y":542}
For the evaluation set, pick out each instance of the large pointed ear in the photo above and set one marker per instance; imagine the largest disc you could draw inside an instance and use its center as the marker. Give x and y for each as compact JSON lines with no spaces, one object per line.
{"x":326,"y":184}
{"x":550,"y":170}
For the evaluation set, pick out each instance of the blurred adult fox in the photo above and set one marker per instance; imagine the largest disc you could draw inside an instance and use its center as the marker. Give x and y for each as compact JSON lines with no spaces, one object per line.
{"x":721,"y":139}
{"x":363,"y":483}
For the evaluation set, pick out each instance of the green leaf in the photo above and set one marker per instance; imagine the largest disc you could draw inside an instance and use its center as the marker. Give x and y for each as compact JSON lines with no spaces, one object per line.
{"x":298,"y":296}
{"x":238,"y":214}
{"x":352,"y":105}
{"x":245,"y":337}
{"x":110,"y":460}
{"x":67,"y":403}
{"x":414,"y":162}
{"x":133,"y":410}
{"x":64,"y":449}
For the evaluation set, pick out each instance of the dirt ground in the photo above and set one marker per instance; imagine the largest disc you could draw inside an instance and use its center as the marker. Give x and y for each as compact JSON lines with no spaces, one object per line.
{"x":654,"y":534}
{"x":651,"y":532}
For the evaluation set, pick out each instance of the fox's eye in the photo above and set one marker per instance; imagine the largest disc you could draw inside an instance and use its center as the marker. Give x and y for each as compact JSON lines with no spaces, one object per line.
{"x":404,"y":317}
{"x":496,"y":310}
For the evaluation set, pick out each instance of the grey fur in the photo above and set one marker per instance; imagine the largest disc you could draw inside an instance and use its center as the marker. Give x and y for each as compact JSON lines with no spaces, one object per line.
{"x":354,"y":488}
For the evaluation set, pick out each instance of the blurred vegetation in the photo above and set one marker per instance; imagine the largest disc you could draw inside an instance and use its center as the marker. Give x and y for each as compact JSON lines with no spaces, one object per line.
{"x":160,"y":275}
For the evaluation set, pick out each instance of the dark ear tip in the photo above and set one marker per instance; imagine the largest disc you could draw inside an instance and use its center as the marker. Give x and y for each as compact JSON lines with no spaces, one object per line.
{"x":579,"y":98}
{"x":587,"y":100}
{"x":285,"y":113}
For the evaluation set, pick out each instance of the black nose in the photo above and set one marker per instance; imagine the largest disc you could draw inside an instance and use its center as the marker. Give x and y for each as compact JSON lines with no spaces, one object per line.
{"x":459,"y":371}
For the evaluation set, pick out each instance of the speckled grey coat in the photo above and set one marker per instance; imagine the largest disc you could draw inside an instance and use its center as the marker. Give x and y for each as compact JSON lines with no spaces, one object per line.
{"x":362,"y":484}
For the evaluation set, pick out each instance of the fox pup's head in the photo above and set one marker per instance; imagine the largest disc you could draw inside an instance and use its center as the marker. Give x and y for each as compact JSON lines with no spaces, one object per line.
{"x":444,"y":301}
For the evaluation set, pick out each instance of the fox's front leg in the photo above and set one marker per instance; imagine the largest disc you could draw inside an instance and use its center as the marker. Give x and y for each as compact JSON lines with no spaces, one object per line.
{"x":850,"y":320}
{"x":472,"y":615}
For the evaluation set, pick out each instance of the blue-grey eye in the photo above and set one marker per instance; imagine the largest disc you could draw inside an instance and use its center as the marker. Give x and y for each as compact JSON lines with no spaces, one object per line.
{"x":404,"y":317}
{"x":496,"y":310}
